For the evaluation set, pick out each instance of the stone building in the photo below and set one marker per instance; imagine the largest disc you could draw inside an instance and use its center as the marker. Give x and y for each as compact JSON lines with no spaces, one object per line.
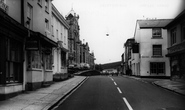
{"x":73,"y":38}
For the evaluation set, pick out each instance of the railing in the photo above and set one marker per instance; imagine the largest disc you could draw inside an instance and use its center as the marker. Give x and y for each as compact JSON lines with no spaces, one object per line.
{"x":3,"y":6}
{"x":176,"y":48}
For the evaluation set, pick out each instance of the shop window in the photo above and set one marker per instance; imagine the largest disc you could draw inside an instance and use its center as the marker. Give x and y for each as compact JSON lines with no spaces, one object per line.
{"x":14,"y":62}
{"x":157,"y":67}
{"x":48,"y":61}
{"x":34,"y":60}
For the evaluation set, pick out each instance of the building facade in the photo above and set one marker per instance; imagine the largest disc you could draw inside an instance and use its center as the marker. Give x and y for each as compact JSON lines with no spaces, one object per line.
{"x":79,"y":53}
{"x":39,"y":44}
{"x":176,"y":46}
{"x":27,"y":62}
{"x":149,"y":49}
{"x":12,"y":42}
{"x":73,"y":38}
{"x":59,"y":30}
{"x":127,"y":61}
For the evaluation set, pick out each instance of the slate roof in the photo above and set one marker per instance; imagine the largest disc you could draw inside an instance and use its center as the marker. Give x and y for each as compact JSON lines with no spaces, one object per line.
{"x":153,"y":23}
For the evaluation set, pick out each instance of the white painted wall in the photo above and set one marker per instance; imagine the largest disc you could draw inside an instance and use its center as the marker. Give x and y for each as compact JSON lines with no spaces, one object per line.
{"x":62,"y":35}
{"x":142,"y":60}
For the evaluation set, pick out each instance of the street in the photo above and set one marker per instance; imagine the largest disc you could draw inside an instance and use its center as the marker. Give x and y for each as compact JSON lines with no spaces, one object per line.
{"x":121,"y":93}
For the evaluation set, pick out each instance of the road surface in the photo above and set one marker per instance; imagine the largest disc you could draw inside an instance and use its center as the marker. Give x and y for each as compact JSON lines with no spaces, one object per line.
{"x":121,"y":93}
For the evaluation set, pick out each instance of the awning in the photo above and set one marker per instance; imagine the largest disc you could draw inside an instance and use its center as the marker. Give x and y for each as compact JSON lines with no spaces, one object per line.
{"x":44,"y":40}
{"x":64,"y":49}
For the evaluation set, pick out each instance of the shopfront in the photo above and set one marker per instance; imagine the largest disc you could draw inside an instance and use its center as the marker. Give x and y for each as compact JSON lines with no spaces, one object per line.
{"x":12,"y":41}
{"x":39,"y":61}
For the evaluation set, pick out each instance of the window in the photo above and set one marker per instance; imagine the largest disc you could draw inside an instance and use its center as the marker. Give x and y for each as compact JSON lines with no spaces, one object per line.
{"x":34,"y":60}
{"x":29,"y":17}
{"x":157,"y":50}
{"x":183,"y":31}
{"x":157,"y":67}
{"x":57,"y":33}
{"x":47,"y":24}
{"x":156,"y":33}
{"x":40,"y":3}
{"x":47,"y":5}
{"x":173,"y":36}
{"x":63,"y":59}
{"x":65,"y":40}
{"x":48,"y":61}
{"x":52,"y":30}
{"x":61,"y":36}
{"x":14,"y":61}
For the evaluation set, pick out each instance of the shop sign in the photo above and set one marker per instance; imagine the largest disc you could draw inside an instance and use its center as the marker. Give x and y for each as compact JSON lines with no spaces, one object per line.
{"x":32,"y":45}
{"x":145,"y":56}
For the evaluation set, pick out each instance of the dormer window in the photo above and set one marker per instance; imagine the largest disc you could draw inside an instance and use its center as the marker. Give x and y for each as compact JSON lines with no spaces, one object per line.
{"x":156,"y":33}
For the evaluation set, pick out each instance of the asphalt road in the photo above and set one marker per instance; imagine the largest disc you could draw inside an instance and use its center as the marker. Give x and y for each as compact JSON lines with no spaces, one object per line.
{"x":120,"y":93}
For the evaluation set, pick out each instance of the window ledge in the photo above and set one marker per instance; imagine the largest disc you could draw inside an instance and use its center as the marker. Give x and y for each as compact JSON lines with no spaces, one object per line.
{"x":10,"y":84}
{"x":34,"y":69}
{"x":39,"y":5}
{"x":156,"y":38}
{"x":46,"y":11}
{"x":157,"y":56}
{"x":49,"y":70}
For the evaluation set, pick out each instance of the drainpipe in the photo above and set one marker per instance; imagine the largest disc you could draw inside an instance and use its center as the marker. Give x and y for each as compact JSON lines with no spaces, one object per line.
{"x":22,"y":12}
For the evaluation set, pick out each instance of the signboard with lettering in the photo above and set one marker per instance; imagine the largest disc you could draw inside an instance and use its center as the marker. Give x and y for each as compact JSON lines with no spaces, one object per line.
{"x":32,"y":45}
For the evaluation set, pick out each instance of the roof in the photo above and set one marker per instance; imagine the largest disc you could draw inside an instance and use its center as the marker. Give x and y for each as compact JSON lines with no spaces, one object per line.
{"x":72,"y":12}
{"x":59,"y":16}
{"x":153,"y":23}
{"x":179,"y":18}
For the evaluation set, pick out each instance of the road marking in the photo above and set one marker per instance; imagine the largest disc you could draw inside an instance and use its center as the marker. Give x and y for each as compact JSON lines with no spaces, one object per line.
{"x":119,"y":90}
{"x":112,"y":79}
{"x":128,"y":105}
{"x":115,"y":83}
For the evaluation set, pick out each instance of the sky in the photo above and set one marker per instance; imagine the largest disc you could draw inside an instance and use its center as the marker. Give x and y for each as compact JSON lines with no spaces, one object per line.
{"x":116,"y":18}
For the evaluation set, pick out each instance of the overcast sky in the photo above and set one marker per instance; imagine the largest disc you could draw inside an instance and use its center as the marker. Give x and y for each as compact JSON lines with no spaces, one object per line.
{"x":117,"y":18}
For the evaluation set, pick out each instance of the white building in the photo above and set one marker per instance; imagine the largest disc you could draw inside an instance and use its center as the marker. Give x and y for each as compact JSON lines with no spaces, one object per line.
{"x":150,"y":47}
{"x":59,"y":31}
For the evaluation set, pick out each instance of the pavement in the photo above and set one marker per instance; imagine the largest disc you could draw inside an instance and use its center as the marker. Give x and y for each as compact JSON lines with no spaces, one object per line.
{"x":176,"y":86}
{"x":43,"y":98}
